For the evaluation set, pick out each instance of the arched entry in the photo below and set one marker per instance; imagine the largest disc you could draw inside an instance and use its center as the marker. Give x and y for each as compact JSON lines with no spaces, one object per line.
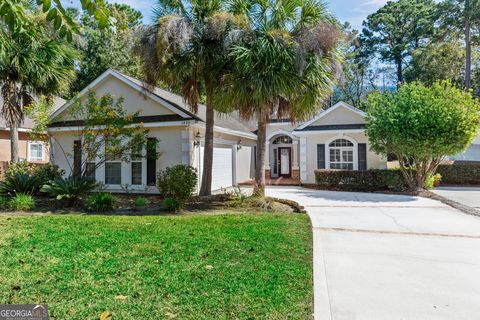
{"x":282,"y":156}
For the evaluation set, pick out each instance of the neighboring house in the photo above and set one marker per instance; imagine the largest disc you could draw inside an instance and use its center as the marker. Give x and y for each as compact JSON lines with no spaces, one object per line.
{"x":472,"y":153}
{"x":333,"y":139}
{"x":180,"y":135}
{"x":32,"y":151}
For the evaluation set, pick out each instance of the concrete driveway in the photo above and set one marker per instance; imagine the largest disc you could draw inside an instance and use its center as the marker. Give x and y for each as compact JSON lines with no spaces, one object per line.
{"x":469,"y":196}
{"x":380,"y":256}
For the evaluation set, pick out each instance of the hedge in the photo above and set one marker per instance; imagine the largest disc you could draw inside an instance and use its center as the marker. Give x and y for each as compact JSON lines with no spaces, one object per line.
{"x":460,"y":172}
{"x":369,"y":180}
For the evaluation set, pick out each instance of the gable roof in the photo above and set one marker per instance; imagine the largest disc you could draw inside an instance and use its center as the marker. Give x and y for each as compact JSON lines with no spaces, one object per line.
{"x":137,"y":84}
{"x":223,"y":120}
{"x":323,"y":113}
{"x":166,"y":98}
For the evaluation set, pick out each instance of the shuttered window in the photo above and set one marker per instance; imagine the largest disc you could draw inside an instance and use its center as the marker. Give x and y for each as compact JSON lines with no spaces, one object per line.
{"x":362,"y":156}
{"x":320,"y":156}
{"x":77,"y":158}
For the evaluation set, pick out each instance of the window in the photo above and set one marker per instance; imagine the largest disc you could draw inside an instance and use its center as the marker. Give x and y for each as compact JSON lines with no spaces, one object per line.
{"x":136,"y":165}
{"x":35,"y":151}
{"x":341,"y":154}
{"x":282,"y":140}
{"x":113,"y":173}
{"x":90,"y":170}
{"x":113,"y":166}
{"x":136,"y":173}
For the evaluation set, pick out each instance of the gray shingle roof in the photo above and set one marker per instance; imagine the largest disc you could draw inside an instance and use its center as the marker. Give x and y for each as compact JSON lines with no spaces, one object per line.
{"x":222,"y":120}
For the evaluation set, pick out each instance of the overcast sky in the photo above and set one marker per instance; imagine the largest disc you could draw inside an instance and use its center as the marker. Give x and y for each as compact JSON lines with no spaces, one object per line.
{"x":354,"y":11}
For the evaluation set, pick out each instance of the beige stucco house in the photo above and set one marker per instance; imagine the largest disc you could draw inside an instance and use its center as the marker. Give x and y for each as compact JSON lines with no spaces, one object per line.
{"x":333,"y":139}
{"x":180,"y":135}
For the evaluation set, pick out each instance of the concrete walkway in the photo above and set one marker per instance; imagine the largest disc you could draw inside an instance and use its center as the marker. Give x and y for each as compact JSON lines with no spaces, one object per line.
{"x":380,"y":256}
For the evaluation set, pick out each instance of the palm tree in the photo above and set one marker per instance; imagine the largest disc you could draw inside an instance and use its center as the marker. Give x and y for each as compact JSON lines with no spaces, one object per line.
{"x":184,"y":49}
{"x":285,"y":66}
{"x":33,"y":62}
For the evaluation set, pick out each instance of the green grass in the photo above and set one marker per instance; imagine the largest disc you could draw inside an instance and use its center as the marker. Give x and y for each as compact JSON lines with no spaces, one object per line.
{"x":232,"y":266}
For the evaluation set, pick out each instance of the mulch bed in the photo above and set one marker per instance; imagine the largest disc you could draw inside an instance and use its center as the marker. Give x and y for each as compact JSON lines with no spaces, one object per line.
{"x":126,"y":205}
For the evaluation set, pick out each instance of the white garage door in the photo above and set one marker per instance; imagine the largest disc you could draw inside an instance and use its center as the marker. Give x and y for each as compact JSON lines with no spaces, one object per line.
{"x":222,"y":175}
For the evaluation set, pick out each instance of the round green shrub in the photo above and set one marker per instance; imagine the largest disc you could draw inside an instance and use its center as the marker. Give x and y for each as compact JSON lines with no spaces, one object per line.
{"x":48,"y":172}
{"x":141,"y":202}
{"x":4,"y":202}
{"x":178,"y":183}
{"x":171,"y":204}
{"x":22,"y":202}
{"x":100,"y":201}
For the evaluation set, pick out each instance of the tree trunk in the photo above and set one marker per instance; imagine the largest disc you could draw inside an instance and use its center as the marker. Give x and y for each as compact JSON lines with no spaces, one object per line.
{"x":468,"y":46}
{"x":206,"y":187}
{"x":398,"y":62}
{"x":259,"y":188}
{"x":14,"y":142}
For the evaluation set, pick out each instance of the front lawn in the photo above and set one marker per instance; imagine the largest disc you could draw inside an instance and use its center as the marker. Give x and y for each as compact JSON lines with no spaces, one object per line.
{"x":229,"y":266}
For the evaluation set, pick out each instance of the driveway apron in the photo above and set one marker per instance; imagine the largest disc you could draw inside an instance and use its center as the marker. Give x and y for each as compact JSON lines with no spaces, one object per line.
{"x":385,"y":256}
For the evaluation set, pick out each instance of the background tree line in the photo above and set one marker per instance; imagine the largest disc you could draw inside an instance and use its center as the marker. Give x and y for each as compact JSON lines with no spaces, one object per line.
{"x":413,"y":40}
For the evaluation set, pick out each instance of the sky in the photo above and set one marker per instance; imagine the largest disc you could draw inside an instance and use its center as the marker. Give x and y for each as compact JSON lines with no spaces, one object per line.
{"x":353,"y":11}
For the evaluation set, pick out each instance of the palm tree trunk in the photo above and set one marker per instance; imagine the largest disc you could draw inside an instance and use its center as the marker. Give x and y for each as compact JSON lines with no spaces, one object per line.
{"x":206,"y":187}
{"x":259,"y":188}
{"x":468,"y":46}
{"x":14,"y":143}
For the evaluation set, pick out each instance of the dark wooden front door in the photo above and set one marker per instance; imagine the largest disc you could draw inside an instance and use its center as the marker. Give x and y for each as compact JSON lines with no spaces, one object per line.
{"x":285,"y":161}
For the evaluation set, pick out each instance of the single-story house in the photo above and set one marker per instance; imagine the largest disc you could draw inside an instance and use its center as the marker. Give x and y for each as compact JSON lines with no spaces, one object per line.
{"x":179,"y":133}
{"x":333,"y":139}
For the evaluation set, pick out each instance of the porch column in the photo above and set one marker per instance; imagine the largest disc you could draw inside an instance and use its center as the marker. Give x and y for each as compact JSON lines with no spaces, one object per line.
{"x":303,"y":159}
{"x":267,"y":156}
{"x":295,"y":155}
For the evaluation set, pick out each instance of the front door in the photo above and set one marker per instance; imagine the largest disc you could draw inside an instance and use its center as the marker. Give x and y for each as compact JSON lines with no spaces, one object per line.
{"x":285,"y":155}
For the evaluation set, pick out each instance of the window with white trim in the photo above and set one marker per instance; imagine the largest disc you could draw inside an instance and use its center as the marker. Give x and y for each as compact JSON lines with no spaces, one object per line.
{"x":35,"y":151}
{"x":341,"y":154}
{"x":136,"y":166}
{"x":113,"y":168}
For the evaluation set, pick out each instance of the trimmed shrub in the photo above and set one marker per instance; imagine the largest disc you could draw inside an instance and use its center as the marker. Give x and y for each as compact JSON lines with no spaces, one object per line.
{"x":171,"y":204}
{"x":69,"y":190}
{"x":48,"y":172}
{"x":4,"y":202}
{"x":20,"y":183}
{"x":101,"y":201}
{"x":460,"y":173}
{"x":369,"y":180}
{"x":141,"y":202}
{"x":27,"y":178}
{"x":20,"y":167}
{"x":178,"y":183}
{"x":22,"y":202}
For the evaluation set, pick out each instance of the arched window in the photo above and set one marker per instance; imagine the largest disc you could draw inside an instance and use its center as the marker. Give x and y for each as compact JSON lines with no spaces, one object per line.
{"x":282,"y":140}
{"x":341,"y":154}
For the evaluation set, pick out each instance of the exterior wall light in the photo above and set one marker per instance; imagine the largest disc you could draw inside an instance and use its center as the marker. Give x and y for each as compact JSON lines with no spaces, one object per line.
{"x":239,"y":144}
{"x":196,"y":143}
